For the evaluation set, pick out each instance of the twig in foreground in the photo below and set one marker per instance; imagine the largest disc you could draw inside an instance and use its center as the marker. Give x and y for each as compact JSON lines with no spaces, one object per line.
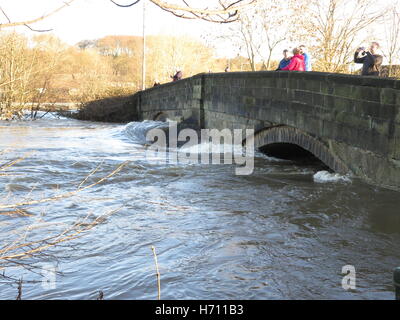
{"x":19,"y":297}
{"x":157,"y":273}
{"x":64,"y":195}
{"x":101,"y":296}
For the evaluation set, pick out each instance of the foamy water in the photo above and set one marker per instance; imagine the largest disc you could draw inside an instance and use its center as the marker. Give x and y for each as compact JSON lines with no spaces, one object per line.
{"x":328,"y":177}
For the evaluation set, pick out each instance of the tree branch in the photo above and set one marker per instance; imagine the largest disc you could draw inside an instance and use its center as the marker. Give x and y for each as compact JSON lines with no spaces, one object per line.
{"x":221,"y":14}
{"x":28,"y":22}
{"x":125,"y":5}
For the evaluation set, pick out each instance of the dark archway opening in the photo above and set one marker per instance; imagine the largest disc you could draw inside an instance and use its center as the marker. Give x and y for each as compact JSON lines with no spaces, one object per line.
{"x":161,"y":116}
{"x":293,"y":152}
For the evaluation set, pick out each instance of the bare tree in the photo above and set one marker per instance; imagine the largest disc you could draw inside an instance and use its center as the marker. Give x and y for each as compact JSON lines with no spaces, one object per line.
{"x":260,"y":29}
{"x":335,"y":27}
{"x":392,"y":35}
{"x":276,"y":26}
{"x":248,"y":37}
{"x":26,"y":70}
{"x":18,"y":66}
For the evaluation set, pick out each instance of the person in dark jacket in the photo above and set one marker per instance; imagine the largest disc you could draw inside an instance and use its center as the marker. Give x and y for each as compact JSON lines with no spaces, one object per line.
{"x":371,"y":60}
{"x":178,"y":76}
{"x":285,"y":61}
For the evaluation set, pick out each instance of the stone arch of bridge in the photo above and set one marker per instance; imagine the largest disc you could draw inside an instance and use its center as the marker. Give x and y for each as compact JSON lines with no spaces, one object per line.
{"x":284,"y":141}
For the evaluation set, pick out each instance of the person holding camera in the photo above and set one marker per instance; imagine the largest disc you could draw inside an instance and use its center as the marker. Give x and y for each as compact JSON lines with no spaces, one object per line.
{"x":371,"y":60}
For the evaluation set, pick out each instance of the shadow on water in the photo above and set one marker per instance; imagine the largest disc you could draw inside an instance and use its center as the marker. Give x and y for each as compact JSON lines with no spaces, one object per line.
{"x":383,"y":212}
{"x":294,"y":153}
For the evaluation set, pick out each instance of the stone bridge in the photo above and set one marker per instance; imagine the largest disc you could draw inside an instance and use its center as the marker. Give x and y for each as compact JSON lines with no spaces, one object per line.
{"x":351,"y":123}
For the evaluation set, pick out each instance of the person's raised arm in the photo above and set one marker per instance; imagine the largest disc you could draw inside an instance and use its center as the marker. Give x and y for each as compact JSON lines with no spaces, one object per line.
{"x":357,"y":59}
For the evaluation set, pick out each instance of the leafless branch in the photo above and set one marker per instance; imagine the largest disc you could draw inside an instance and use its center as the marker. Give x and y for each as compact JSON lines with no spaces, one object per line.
{"x":63,"y":195}
{"x":37,"y":30}
{"x":222,"y":12}
{"x":21,"y":252}
{"x":27,"y":23}
{"x":125,"y":5}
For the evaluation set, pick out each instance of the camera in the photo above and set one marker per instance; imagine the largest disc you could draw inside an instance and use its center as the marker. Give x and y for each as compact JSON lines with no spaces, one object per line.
{"x":362,"y":50}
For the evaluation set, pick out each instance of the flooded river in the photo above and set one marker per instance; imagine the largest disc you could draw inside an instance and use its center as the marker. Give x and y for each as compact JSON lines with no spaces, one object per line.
{"x":284,"y":232}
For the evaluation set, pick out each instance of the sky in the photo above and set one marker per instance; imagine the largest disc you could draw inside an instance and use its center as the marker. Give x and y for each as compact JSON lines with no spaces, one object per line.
{"x":92,"y":19}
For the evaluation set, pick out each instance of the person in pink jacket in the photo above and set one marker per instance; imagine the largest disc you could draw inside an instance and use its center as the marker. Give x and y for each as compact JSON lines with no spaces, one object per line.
{"x":297,"y":63}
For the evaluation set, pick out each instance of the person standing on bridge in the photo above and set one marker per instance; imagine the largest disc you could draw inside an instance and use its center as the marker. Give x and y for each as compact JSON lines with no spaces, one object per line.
{"x":178,"y":76}
{"x":307,"y":58}
{"x":297,"y":62}
{"x":371,"y":60}
{"x":285,"y":61}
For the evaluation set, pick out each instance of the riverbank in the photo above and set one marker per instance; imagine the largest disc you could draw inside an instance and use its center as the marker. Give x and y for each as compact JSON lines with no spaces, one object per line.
{"x":119,"y":109}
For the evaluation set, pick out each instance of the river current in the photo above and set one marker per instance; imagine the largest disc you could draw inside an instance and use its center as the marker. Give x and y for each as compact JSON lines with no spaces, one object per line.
{"x":284,"y":232}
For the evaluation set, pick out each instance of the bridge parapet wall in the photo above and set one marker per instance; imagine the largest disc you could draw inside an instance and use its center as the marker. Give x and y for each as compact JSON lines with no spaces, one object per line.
{"x":178,"y":101}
